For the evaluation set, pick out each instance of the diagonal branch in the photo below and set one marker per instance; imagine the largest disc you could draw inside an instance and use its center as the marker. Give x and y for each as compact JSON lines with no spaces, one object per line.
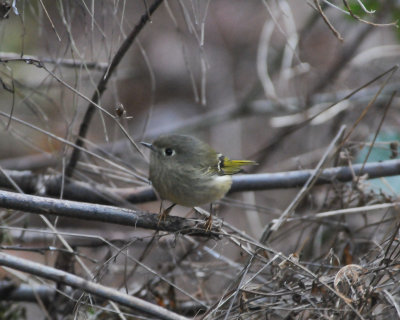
{"x":102,"y":85}
{"x":88,"y":286}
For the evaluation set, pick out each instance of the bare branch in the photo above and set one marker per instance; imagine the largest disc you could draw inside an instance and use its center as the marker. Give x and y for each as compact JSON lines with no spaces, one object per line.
{"x":80,"y":191}
{"x":96,"y":212}
{"x":88,"y":286}
{"x":23,"y":292}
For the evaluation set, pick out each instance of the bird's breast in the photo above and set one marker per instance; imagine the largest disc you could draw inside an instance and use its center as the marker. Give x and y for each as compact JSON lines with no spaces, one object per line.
{"x":189,"y":189}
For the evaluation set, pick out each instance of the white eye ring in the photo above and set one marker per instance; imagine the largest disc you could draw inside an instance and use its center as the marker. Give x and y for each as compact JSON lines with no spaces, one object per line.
{"x":169,"y":152}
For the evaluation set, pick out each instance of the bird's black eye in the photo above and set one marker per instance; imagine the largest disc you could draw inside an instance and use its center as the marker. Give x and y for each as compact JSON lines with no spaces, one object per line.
{"x":169,"y":152}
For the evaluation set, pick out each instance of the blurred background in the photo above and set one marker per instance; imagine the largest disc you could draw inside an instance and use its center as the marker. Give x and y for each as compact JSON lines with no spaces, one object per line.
{"x":248,"y":77}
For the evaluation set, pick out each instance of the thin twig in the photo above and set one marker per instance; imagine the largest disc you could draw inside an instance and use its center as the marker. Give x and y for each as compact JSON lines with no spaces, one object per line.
{"x":68,"y":63}
{"x":392,"y":24}
{"x":304,"y":190}
{"x":328,"y":23}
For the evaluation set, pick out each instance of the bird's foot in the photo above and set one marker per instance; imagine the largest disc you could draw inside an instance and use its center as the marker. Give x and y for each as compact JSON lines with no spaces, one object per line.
{"x":165,"y":213}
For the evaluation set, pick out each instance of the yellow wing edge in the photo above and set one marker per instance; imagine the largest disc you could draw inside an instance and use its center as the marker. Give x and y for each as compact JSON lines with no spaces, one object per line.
{"x":227,"y":166}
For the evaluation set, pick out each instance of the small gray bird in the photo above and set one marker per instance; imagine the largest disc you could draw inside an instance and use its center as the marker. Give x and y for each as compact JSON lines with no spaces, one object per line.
{"x":188,"y":172}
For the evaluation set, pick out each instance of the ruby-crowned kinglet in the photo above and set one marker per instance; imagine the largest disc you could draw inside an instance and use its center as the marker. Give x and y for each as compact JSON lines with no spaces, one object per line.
{"x":189,"y":172}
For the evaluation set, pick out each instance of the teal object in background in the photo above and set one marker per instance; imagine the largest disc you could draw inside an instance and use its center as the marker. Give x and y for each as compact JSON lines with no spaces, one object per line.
{"x":380,"y":152}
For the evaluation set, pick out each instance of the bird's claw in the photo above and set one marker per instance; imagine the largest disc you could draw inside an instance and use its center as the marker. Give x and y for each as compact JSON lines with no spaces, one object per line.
{"x":208,"y":223}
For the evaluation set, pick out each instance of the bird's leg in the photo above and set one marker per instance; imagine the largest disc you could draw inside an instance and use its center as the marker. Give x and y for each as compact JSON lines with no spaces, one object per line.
{"x":165,"y":213}
{"x":208,"y":223}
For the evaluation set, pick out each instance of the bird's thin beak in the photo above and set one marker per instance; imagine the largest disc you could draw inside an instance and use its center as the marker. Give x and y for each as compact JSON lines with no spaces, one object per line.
{"x":148,"y":145}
